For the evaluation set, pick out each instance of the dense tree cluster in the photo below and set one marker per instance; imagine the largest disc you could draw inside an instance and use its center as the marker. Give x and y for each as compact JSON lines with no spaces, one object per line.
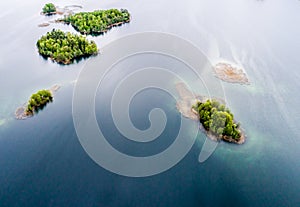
{"x":38,"y":101}
{"x":216,"y":118}
{"x":65,"y":47}
{"x":98,"y":21}
{"x":49,"y":9}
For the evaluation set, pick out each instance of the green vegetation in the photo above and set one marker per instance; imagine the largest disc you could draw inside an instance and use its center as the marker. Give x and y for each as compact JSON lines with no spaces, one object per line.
{"x":98,"y":21}
{"x":216,"y":118}
{"x":38,"y":100}
{"x":49,"y":9}
{"x":65,"y":47}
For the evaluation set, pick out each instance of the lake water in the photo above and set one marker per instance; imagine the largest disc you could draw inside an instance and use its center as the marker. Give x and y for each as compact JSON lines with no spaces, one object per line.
{"x":43,"y":164}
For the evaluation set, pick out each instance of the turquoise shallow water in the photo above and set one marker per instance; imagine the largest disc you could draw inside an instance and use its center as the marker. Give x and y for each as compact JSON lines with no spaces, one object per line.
{"x":43,"y":164}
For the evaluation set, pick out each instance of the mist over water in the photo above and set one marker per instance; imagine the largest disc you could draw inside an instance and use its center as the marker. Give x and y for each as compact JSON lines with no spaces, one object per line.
{"x":43,"y":164}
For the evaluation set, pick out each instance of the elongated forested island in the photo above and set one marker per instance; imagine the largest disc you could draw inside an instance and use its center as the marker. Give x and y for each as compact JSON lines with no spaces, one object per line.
{"x":97,"y":22}
{"x":65,"y":47}
{"x":218,"y":122}
{"x":36,"y":102}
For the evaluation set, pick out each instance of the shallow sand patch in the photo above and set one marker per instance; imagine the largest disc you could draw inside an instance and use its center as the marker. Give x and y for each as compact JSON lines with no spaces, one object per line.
{"x":186,"y":100}
{"x":2,"y":122}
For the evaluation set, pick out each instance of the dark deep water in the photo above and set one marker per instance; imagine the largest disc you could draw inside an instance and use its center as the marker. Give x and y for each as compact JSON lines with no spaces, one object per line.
{"x":43,"y":164}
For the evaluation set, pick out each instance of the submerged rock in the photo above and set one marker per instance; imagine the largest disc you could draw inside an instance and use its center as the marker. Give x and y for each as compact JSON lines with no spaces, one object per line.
{"x":44,"y":24}
{"x":231,"y":74}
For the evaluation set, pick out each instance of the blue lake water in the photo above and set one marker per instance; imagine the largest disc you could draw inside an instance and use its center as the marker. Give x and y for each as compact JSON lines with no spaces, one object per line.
{"x":43,"y":164}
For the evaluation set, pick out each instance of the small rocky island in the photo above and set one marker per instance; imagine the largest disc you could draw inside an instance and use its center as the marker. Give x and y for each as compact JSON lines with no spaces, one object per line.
{"x":227,"y":72}
{"x":97,"y":22}
{"x":216,"y":120}
{"x":36,"y":102}
{"x":65,"y":47}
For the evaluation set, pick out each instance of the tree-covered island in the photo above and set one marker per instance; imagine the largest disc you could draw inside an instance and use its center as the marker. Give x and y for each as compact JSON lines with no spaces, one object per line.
{"x":49,"y":9}
{"x":97,"y":22}
{"x":66,"y":47}
{"x":218,"y":122}
{"x":38,"y":101}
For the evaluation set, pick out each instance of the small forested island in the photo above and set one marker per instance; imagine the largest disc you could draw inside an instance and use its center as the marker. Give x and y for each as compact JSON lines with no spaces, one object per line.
{"x":65,"y":47}
{"x":49,"y":9}
{"x":36,"y":102}
{"x":97,"y":22}
{"x":218,"y":121}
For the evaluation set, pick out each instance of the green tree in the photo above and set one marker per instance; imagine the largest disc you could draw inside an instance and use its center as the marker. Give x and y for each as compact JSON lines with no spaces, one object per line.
{"x":49,"y":8}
